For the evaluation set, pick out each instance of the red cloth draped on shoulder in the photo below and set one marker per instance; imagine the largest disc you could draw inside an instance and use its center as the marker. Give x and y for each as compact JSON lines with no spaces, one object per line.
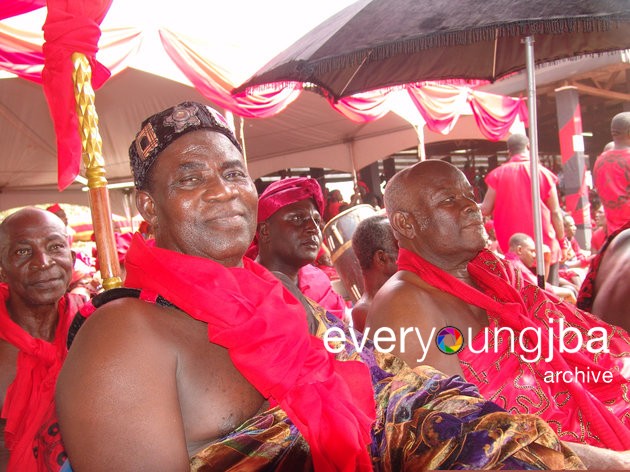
{"x":314,"y":283}
{"x":29,"y":398}
{"x":595,"y":412}
{"x":264,"y":327}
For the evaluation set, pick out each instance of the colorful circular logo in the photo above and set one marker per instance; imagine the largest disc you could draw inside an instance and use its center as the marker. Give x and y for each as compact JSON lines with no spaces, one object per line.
{"x":450,"y":340}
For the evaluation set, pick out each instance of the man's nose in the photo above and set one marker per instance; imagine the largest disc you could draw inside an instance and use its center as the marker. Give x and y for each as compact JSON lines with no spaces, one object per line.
{"x":311,"y":223}
{"x":219,"y":189}
{"x":41,"y":260}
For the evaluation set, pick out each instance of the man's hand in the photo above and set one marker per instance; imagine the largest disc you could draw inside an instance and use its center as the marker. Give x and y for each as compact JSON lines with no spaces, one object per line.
{"x":599,"y":458}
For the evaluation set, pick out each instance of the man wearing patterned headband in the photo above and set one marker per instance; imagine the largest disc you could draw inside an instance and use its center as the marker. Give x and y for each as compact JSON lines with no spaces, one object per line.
{"x":289,"y":238}
{"x":217,"y":353}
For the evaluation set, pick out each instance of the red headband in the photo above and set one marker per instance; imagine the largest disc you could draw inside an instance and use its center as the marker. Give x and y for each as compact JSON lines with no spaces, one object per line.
{"x":287,"y":191}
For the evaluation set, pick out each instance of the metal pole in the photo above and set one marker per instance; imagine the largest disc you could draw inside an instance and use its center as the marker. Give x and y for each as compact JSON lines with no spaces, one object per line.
{"x":533,"y":148}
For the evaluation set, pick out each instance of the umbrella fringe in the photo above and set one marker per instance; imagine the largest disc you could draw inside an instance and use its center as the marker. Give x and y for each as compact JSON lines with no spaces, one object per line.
{"x":481,"y":34}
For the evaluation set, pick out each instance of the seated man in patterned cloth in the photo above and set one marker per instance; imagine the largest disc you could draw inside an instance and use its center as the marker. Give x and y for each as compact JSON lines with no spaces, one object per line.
{"x":213,"y":366}
{"x":522,"y":346}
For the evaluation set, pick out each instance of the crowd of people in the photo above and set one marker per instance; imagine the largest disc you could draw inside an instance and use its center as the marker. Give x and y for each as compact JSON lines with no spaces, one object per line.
{"x":228,"y":347}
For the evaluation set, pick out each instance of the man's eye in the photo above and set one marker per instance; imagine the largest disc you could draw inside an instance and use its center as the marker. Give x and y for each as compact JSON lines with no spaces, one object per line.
{"x":23,"y":252}
{"x":189,"y":179}
{"x":235,"y":174}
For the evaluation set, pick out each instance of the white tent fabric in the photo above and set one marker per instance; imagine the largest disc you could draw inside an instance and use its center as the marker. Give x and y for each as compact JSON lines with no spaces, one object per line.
{"x":240,"y":37}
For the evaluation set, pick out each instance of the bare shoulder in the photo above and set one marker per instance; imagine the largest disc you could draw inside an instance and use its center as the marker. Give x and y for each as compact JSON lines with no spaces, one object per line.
{"x":404,"y":300}
{"x":120,"y":371}
{"x":126,"y":326}
{"x":359,"y":313}
{"x":611,"y":294}
{"x":138,"y":370}
{"x":413,"y":311}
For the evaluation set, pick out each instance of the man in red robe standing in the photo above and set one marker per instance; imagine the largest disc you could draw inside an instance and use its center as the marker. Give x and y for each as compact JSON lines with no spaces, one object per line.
{"x":509,"y":199}
{"x":611,"y":174}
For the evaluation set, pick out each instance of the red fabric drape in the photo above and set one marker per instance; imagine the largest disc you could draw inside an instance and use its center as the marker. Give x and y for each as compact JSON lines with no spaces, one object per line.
{"x":568,"y":406}
{"x":71,"y":26}
{"x":10,"y":8}
{"x":30,"y":395}
{"x":216,"y":87}
{"x":68,"y":31}
{"x":264,"y":328}
{"x":441,"y":106}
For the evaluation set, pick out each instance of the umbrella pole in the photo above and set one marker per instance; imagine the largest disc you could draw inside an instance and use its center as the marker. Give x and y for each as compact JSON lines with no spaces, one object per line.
{"x":95,"y":172}
{"x":533,"y":145}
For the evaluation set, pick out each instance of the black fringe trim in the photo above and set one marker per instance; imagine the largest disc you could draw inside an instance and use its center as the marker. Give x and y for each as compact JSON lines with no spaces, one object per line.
{"x":474,"y":35}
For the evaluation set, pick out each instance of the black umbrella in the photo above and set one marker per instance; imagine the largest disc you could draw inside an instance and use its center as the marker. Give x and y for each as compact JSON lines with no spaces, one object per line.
{"x":373,"y":44}
{"x":378,"y":43}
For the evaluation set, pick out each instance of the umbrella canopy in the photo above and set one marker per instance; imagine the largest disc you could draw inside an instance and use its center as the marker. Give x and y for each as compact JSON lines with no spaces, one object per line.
{"x":380,"y":43}
{"x":373,"y":44}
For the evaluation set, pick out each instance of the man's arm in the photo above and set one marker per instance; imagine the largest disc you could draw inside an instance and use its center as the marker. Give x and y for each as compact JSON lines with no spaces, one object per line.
{"x":553,"y":203}
{"x":487,"y":206}
{"x":597,"y":458}
{"x":117,"y":397}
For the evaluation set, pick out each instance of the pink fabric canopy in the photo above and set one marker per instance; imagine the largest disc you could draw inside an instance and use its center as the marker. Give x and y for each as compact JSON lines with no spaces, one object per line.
{"x":440,"y":105}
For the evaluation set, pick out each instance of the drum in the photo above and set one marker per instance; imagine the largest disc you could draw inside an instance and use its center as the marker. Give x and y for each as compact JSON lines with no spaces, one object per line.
{"x":338,"y":237}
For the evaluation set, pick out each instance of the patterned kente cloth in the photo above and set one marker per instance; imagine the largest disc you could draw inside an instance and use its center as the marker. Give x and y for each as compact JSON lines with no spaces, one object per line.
{"x":581,"y":391}
{"x":425,"y":420}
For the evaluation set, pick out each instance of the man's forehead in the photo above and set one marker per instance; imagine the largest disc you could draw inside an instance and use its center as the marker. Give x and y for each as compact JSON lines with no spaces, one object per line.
{"x":300,"y":205}
{"x":31,"y":234}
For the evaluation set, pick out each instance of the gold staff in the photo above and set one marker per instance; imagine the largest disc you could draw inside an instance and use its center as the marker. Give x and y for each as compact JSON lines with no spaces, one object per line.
{"x":92,"y":156}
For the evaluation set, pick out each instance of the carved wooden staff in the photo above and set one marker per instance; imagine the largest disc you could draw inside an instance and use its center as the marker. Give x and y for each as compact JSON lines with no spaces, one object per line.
{"x":95,"y":172}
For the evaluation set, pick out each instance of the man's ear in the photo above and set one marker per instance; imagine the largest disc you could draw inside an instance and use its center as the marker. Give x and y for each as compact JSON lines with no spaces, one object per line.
{"x":379,"y":258}
{"x":402,"y":223}
{"x":263,"y":231}
{"x":146,"y":207}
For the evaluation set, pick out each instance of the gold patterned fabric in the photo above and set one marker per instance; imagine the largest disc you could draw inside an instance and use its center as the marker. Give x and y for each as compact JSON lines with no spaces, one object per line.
{"x":425,"y":420}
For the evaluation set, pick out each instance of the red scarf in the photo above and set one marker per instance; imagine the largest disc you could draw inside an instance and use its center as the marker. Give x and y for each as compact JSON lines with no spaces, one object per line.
{"x":509,"y":302}
{"x":29,"y":398}
{"x":264,"y":327}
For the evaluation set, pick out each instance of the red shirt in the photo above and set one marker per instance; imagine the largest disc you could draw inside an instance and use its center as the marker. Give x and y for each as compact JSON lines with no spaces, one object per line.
{"x":513,"y":209}
{"x":611,"y":176}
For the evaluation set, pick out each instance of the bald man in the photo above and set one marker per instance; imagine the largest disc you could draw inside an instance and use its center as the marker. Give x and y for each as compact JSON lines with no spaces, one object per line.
{"x":447,"y":279}
{"x":36,"y":269}
{"x":611,"y":174}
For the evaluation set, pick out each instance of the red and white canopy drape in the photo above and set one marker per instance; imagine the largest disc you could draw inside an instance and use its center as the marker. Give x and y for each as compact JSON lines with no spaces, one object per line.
{"x":439,"y":105}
